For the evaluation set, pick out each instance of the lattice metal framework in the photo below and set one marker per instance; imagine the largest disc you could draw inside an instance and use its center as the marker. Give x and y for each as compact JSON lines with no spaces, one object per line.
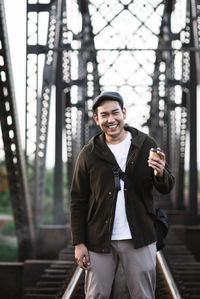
{"x":164,"y":120}
{"x":15,"y":162}
{"x":141,"y":60}
{"x":134,"y":47}
{"x":126,"y":37}
{"x":73,"y":71}
{"x":173,"y":105}
{"x":193,"y":22}
{"x":39,"y":95}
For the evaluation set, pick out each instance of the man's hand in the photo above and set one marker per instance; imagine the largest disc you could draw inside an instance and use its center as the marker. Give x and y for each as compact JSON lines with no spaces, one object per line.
{"x":157,"y":162}
{"x":82,"y":256}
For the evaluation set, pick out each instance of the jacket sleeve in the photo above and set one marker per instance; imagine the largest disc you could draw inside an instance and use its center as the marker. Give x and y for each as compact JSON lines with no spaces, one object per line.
{"x":165,"y":184}
{"x":79,"y":200}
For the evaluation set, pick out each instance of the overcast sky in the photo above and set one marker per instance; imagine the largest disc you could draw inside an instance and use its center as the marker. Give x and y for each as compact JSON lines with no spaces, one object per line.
{"x":16,"y":25}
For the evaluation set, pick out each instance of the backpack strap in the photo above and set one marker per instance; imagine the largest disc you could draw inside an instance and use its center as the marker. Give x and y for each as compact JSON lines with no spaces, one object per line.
{"x":115,"y":171}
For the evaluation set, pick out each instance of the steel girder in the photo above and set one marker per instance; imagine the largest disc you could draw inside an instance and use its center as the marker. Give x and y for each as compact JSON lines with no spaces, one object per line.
{"x":38,"y":97}
{"x":89,"y":87}
{"x":194,"y":39}
{"x":162,"y":120}
{"x":74,"y":74}
{"x":172,"y":119}
{"x":15,"y":160}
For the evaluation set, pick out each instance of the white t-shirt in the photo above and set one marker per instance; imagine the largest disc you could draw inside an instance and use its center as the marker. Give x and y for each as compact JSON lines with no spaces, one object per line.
{"x":121,"y":230}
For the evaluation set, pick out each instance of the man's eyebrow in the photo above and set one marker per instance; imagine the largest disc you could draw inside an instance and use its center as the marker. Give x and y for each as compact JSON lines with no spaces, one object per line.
{"x":106,"y":112}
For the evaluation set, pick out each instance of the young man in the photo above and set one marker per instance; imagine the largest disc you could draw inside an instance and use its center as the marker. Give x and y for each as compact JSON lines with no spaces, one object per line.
{"x":109,"y":224}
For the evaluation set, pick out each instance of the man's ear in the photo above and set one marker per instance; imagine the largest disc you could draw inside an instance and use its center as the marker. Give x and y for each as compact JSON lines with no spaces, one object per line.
{"x":124,"y":112}
{"x":96,"y":118}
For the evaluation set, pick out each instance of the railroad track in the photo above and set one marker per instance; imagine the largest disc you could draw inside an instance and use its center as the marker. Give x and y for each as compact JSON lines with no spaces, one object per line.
{"x":183,"y":266}
{"x":166,"y":287}
{"x":178,"y":275}
{"x":54,"y":280}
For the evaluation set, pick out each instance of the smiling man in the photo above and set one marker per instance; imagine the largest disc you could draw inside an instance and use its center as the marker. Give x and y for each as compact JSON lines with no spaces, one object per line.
{"x":110,"y":117}
{"x":112,"y":203}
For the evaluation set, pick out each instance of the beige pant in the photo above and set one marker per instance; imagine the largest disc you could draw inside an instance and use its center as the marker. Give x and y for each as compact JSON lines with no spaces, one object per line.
{"x":139,"y":267}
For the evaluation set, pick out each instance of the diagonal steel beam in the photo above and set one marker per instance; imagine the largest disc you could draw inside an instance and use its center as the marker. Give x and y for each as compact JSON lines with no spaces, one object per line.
{"x":15,"y":162}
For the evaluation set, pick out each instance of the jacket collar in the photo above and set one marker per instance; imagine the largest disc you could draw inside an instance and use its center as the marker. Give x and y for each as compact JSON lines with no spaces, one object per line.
{"x":138,"y":137}
{"x":99,"y":146}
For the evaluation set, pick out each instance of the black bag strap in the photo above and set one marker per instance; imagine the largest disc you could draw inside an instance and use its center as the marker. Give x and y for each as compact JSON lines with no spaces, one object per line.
{"x":118,"y":174}
{"x":116,"y":178}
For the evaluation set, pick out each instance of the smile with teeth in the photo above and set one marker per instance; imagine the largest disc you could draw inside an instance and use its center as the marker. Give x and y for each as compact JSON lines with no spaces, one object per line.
{"x":112,"y":126}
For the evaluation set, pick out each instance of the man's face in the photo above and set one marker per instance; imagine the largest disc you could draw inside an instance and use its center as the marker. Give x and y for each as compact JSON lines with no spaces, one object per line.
{"x":110,"y":118}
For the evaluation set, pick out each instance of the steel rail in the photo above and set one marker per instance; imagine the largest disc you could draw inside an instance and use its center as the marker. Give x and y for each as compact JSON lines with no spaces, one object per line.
{"x":73,"y":283}
{"x":168,"y":276}
{"x":162,"y":263}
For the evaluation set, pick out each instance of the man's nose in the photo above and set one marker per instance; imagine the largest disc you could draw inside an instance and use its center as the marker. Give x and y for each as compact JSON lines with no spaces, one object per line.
{"x":111,"y":118}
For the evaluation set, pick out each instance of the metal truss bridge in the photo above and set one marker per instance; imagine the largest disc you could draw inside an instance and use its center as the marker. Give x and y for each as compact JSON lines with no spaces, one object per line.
{"x":149,"y":51}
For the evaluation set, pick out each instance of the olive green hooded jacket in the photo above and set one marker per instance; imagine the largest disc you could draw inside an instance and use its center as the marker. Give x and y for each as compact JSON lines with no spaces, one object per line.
{"x":93,"y":195}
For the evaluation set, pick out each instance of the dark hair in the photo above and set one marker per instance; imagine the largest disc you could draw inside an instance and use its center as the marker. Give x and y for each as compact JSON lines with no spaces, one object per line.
{"x":107,"y":95}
